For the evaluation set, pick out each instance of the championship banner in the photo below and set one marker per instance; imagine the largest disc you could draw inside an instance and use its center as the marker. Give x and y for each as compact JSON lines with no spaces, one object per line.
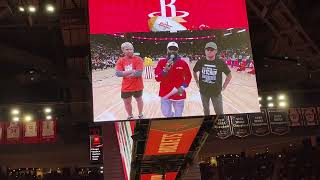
{"x":48,"y":131}
{"x":107,"y":17}
{"x":278,"y":121}
{"x":1,"y":133}
{"x":168,"y":176}
{"x":259,"y":123}
{"x":171,"y":136}
{"x":30,"y":132}
{"x":295,"y":117}
{"x":124,"y":132}
{"x":310,"y":116}
{"x":13,"y":133}
{"x":223,"y":127}
{"x":240,"y":125}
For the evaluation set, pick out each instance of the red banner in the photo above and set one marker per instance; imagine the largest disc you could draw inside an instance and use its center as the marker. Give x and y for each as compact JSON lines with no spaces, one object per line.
{"x":48,"y":131}
{"x":31,"y":132}
{"x":141,"y":16}
{"x":295,"y":117}
{"x":310,"y":116}
{"x":168,"y":176}
{"x":172,"y":136}
{"x":1,"y":133}
{"x":13,"y":133}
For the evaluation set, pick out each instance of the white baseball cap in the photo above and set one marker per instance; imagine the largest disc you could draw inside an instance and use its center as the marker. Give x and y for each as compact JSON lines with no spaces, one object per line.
{"x":172,"y":44}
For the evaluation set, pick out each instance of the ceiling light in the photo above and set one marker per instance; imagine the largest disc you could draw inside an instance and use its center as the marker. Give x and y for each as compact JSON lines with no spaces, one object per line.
{"x":32,"y":9}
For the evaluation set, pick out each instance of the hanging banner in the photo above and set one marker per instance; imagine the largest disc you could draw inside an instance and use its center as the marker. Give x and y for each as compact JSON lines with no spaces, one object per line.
{"x":13,"y":133}
{"x":96,"y":149}
{"x":295,"y":117}
{"x":259,"y":123}
{"x":31,"y":132}
{"x":240,"y":125}
{"x":310,"y":116}
{"x":278,"y":121}
{"x":96,"y":145}
{"x":223,"y":127}
{"x":171,"y":136}
{"x":48,"y":131}
{"x":168,"y":176}
{"x":1,"y":133}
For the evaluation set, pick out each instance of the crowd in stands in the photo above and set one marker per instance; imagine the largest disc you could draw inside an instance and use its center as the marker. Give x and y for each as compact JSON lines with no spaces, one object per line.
{"x":294,"y":164}
{"x":104,"y":57}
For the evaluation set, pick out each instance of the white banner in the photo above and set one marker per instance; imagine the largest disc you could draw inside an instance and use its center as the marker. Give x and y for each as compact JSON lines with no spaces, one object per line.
{"x":31,"y":129}
{"x":13,"y":130}
{"x":47,"y":128}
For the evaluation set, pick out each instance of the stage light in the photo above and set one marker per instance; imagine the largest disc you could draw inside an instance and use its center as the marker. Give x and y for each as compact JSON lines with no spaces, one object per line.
{"x":259,"y":98}
{"x":21,"y":9}
{"x":270,"y":104}
{"x":50,"y":8}
{"x":15,"y":111}
{"x":282,"y":104}
{"x":48,"y":117}
{"x":28,"y":118}
{"x":15,"y":119}
{"x":269,"y":98}
{"x":32,"y":9}
{"x":101,"y":167}
{"x":281,"y":97}
{"x":101,"y":172}
{"x":47,"y":110}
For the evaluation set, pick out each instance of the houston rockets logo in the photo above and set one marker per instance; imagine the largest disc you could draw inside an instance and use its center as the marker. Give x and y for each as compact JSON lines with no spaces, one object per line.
{"x":159,"y":21}
{"x":163,"y":12}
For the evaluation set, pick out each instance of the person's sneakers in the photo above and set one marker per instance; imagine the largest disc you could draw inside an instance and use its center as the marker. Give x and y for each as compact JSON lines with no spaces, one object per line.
{"x":141,"y":116}
{"x":130,"y":117}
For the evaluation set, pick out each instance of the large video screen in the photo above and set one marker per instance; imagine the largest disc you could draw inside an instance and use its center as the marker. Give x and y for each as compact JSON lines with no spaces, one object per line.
{"x":163,"y":59}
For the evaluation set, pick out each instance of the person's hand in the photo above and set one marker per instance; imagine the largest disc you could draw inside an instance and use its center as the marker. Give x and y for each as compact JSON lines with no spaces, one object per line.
{"x":168,"y":66}
{"x":131,"y":74}
{"x":180,"y":91}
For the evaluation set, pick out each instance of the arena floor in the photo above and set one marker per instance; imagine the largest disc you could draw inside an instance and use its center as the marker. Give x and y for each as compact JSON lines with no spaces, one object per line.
{"x":241,"y":96}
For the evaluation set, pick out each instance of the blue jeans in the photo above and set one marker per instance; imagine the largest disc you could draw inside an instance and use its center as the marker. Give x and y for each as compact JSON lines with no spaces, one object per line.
{"x":166,"y":107}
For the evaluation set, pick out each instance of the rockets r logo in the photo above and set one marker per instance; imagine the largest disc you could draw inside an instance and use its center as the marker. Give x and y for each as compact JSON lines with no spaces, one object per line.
{"x":163,"y":12}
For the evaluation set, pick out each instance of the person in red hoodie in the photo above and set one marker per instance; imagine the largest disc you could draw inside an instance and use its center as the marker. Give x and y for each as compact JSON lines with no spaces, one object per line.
{"x":174,"y":76}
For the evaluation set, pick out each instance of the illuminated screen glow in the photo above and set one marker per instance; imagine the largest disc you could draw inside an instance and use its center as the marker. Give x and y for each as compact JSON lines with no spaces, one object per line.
{"x":149,"y":26}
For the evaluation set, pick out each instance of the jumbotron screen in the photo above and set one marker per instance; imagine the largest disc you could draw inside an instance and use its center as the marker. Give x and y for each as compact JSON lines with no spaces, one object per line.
{"x":170,"y":58}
